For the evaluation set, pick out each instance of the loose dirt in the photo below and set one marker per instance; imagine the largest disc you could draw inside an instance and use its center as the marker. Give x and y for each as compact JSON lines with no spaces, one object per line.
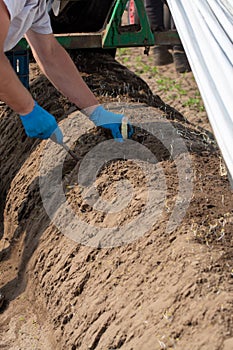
{"x":158,"y":290}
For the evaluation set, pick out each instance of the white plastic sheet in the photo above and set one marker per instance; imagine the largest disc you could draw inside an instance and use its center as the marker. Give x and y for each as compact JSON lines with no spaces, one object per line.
{"x":205,"y":28}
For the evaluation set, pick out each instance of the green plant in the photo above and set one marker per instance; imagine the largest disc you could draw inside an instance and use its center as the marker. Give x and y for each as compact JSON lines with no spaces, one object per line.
{"x":194,"y":102}
{"x":122,"y":51}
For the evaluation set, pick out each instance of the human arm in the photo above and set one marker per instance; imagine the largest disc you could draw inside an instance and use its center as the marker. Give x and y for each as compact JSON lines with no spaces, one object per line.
{"x":59,"y":68}
{"x":12,"y":92}
{"x":36,"y":121}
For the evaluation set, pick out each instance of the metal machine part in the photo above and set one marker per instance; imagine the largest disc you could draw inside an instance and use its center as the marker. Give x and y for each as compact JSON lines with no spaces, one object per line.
{"x":97,"y":24}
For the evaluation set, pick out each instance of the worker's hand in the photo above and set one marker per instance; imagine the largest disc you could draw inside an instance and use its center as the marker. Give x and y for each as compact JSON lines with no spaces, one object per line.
{"x":41,"y":124}
{"x":110,"y":121}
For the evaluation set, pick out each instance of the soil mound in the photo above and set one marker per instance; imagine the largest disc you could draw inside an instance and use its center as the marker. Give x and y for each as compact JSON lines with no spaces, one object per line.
{"x":156,"y":289}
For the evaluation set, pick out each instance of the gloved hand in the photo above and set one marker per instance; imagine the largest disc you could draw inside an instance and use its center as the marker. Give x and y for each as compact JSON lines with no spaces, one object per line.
{"x":41,"y":124}
{"x":110,"y":121}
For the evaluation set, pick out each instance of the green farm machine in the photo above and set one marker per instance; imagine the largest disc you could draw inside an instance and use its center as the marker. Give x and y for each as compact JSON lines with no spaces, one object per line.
{"x":96,"y":24}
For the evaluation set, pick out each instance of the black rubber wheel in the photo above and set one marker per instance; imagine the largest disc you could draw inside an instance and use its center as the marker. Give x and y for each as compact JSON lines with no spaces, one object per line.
{"x":81,"y":16}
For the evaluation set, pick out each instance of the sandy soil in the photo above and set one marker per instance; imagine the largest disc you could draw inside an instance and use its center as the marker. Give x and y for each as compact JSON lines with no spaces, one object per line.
{"x":157,"y":290}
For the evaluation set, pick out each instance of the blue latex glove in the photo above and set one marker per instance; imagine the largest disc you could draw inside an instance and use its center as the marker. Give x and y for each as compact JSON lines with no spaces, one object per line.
{"x":110,"y":121}
{"x":41,"y":124}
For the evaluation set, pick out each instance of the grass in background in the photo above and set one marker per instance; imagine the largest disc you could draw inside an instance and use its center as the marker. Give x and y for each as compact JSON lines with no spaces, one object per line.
{"x":171,"y":89}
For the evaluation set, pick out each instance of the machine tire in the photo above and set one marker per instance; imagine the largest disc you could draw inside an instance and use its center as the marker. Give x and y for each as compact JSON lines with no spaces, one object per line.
{"x":81,"y":16}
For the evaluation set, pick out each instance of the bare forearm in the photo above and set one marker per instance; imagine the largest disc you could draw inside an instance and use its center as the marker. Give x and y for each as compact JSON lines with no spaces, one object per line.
{"x":61,"y":71}
{"x":12,"y":92}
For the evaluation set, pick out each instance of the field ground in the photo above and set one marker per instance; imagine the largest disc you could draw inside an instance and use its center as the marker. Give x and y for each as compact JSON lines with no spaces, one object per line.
{"x":163,"y":290}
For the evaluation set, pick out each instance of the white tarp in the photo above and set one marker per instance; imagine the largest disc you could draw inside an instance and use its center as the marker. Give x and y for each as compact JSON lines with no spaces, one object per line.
{"x":206,"y":31}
